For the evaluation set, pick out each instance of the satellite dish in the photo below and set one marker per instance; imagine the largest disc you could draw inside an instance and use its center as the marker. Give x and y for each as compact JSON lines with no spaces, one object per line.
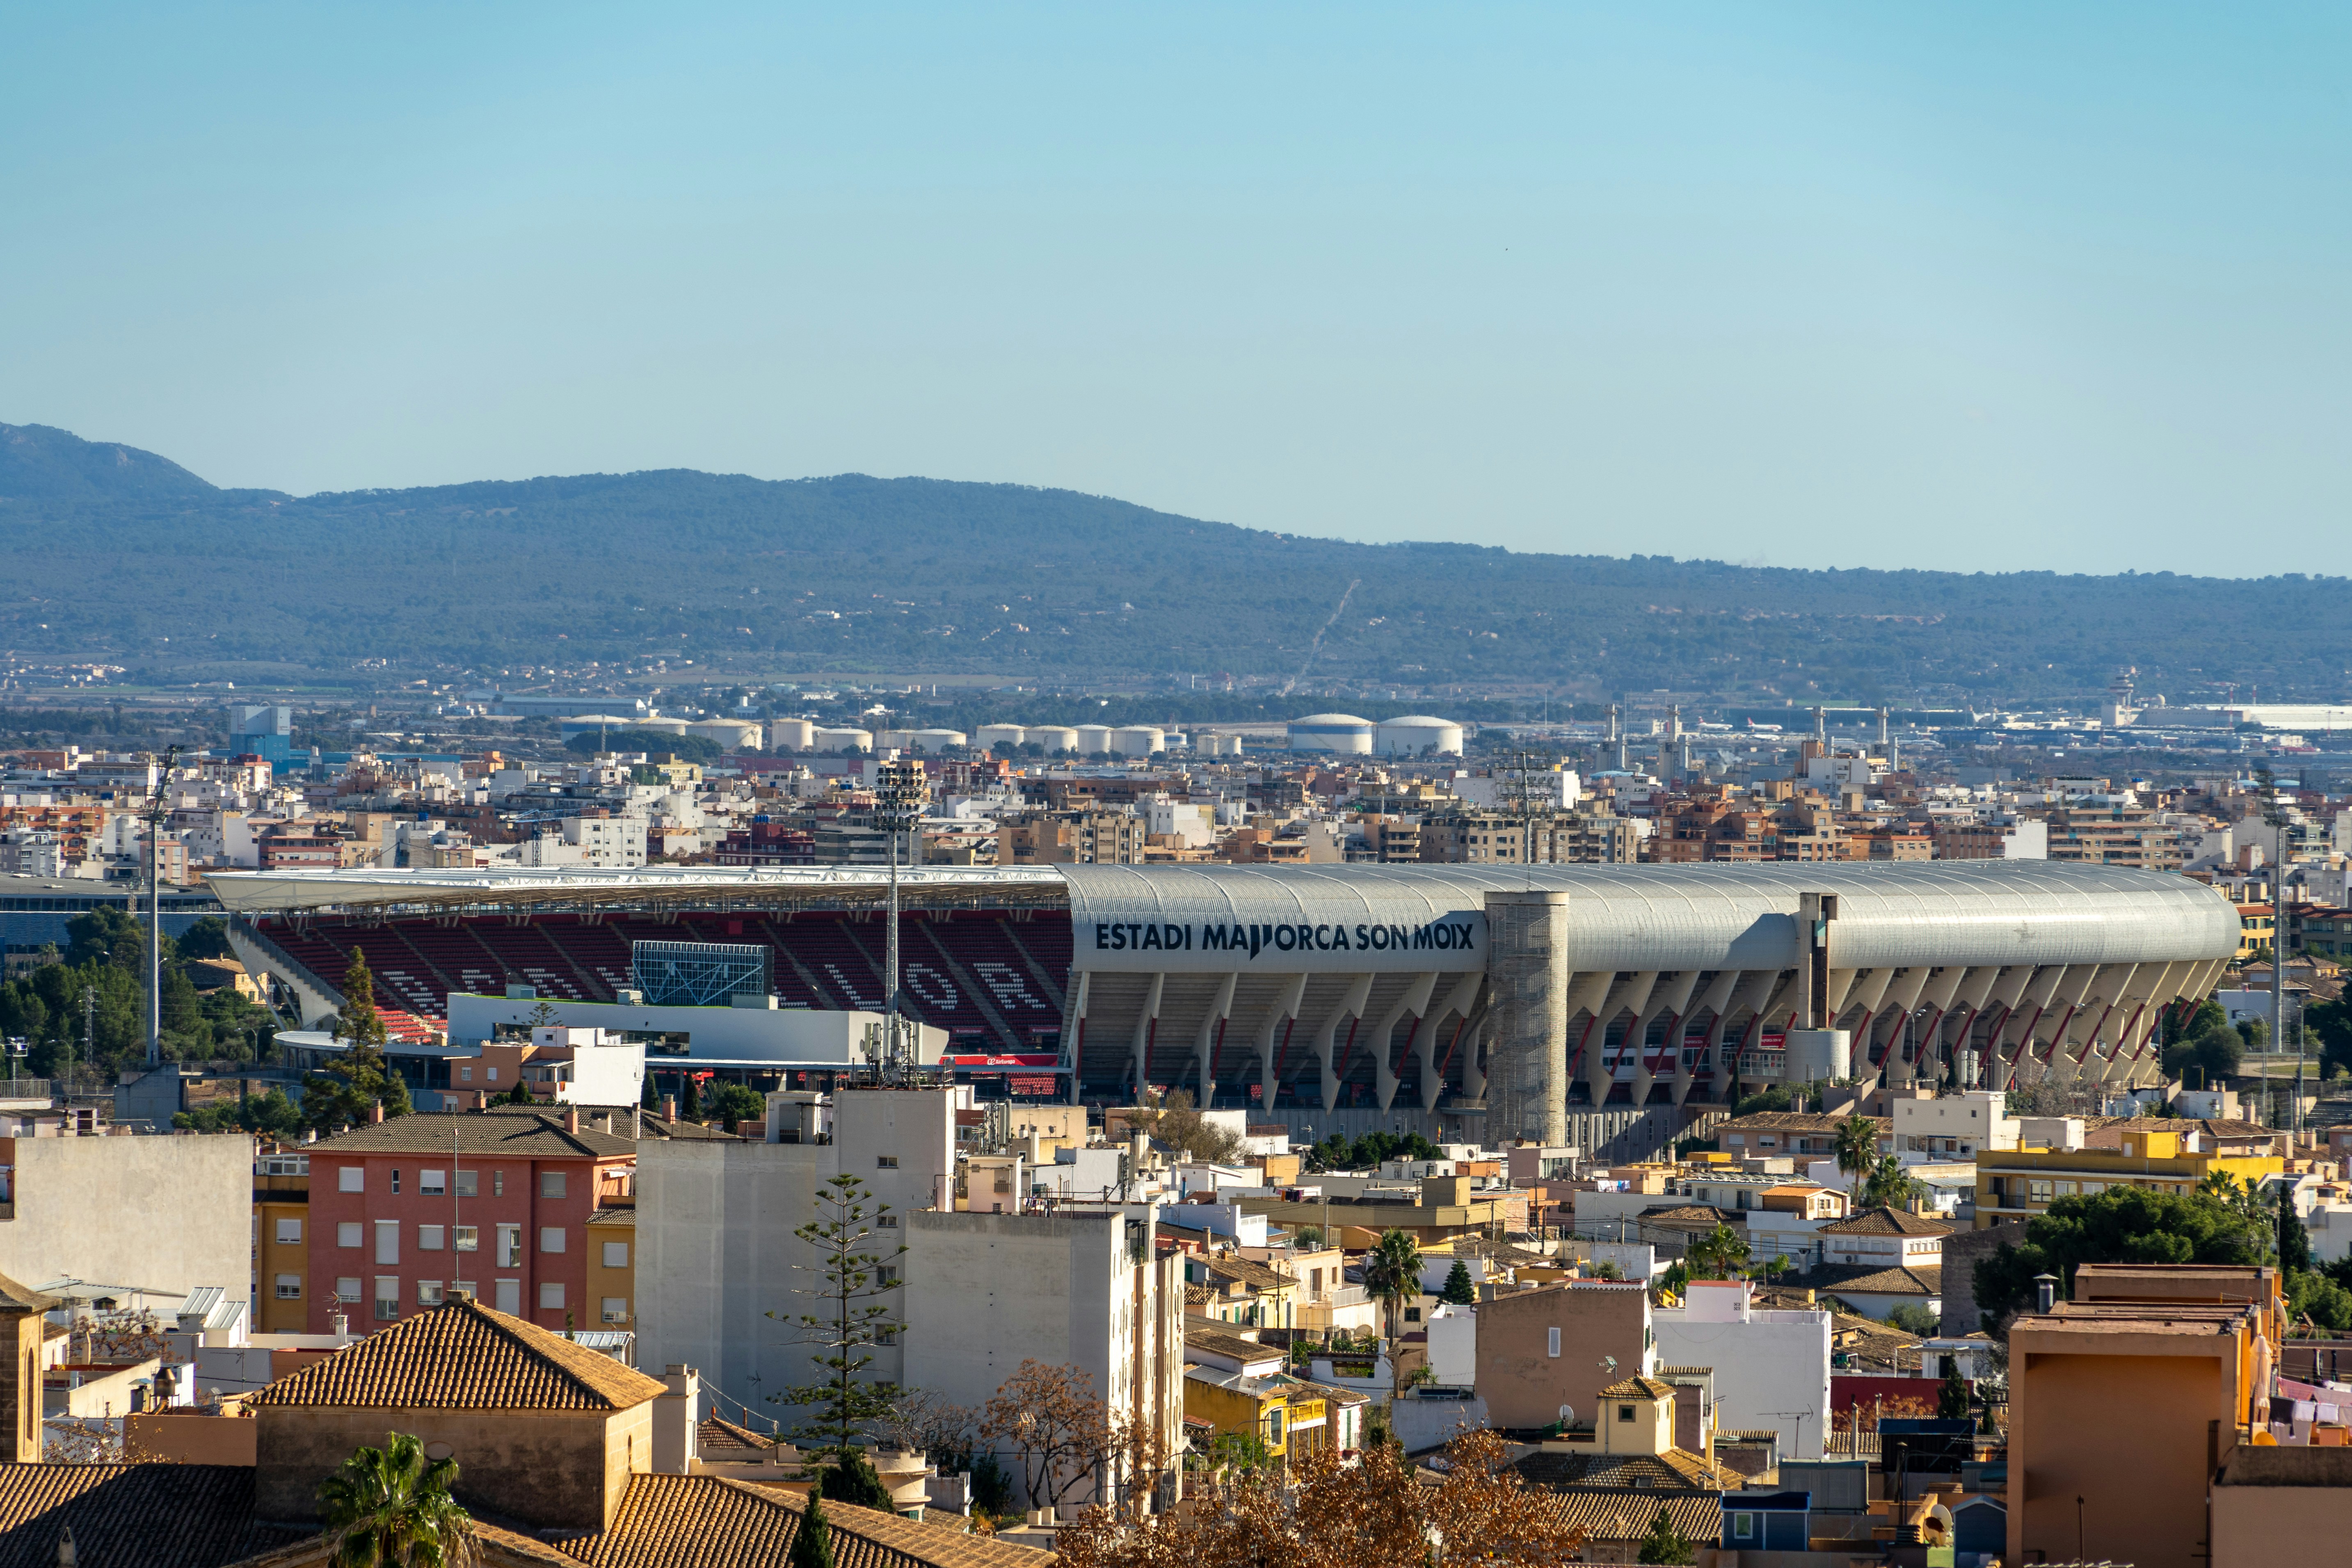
{"x":1568,"y":1415}
{"x":1609,"y":1365}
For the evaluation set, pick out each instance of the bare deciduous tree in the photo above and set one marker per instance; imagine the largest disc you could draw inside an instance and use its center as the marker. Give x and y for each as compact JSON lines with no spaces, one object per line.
{"x":1056,"y":1425}
{"x":1328,"y":1514}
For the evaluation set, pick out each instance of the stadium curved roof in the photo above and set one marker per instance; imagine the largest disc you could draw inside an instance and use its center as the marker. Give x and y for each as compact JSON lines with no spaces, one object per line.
{"x":1639,"y":917}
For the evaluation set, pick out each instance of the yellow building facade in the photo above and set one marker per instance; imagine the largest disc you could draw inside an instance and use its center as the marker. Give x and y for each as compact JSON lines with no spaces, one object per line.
{"x":2018,"y":1183}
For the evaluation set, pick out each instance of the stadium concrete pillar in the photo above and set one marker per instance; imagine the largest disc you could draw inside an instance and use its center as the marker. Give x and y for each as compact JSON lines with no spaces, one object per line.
{"x":1527,"y":964}
{"x":1275,"y":1030}
{"x":1351,"y":1005}
{"x":1147,"y":1024}
{"x":1460,"y":999}
{"x":1212,"y":1029}
{"x":1415,"y":1001}
{"x":1474,"y":1060}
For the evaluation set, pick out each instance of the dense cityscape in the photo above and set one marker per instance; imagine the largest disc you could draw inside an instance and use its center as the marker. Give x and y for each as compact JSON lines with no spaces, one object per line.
{"x":903,"y":786}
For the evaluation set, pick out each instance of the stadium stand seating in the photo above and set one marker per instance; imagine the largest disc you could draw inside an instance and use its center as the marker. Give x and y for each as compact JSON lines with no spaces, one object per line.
{"x":418,"y":962}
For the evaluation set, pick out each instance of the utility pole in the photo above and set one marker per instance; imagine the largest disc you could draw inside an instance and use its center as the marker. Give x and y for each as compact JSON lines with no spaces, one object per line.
{"x":158,"y":810}
{"x":2275,"y":819}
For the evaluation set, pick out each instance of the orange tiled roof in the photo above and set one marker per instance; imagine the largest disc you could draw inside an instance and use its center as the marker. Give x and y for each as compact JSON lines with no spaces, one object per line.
{"x":708,"y":1521}
{"x":461,"y":1355}
{"x":134,"y":1516}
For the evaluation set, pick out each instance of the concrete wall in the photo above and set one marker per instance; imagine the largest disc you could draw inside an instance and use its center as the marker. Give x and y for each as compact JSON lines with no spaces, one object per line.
{"x":1524,"y":1384}
{"x":988,"y":1291}
{"x":2142,"y":1480}
{"x":715,"y":1249}
{"x":545,"y":1467}
{"x":164,"y":1213}
{"x":716,"y":1255}
{"x":1770,"y":1371}
{"x":2283,"y":1505}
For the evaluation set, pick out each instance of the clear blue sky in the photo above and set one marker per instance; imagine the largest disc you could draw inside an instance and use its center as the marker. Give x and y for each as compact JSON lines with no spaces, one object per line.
{"x":1973,"y":287}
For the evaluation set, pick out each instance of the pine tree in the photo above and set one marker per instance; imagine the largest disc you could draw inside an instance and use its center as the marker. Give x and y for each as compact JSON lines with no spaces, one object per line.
{"x":855,"y":1275}
{"x":1952,"y":1395}
{"x":1665,"y":1543}
{"x":813,"y":1543}
{"x":1459,"y":1289}
{"x":363,"y":1077}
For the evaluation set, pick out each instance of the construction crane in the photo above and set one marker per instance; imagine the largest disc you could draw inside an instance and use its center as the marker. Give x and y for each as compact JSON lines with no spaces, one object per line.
{"x":154,"y":813}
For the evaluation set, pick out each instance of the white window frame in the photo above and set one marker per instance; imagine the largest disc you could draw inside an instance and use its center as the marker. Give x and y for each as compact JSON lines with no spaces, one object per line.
{"x":387,"y":1242}
{"x":290,"y":1287}
{"x":289,"y":1231}
{"x":351,"y":1179}
{"x":432,"y":1184}
{"x":550,"y":1295}
{"x":621,"y":1248}
{"x":1552,"y":1342}
{"x":551,"y":1183}
{"x":614,"y":1309}
{"x":347,"y":1290}
{"x":465,"y":1239}
{"x":431,"y":1238}
{"x":550,"y":1238}
{"x":350,"y":1233}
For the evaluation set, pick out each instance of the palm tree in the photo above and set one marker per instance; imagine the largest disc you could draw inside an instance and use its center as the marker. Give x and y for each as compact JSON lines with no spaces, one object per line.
{"x":391,"y":1507}
{"x":1856,"y":1147}
{"x":1392,"y":1277}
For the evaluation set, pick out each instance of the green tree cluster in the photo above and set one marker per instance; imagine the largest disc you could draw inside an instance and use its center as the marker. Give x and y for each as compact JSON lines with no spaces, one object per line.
{"x":105,"y":960}
{"x":2122,"y":1225}
{"x":1459,"y":1289}
{"x":2202,"y":1038}
{"x":1338,"y":1153}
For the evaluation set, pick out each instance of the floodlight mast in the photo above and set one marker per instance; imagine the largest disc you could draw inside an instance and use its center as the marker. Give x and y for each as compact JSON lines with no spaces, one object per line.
{"x":899,"y":800}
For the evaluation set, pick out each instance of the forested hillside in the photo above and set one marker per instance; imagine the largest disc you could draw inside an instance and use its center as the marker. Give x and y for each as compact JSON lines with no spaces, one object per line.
{"x":117,"y":553}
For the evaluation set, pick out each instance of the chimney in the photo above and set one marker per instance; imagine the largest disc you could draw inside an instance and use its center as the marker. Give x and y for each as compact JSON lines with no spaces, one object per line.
{"x":669,"y":1108}
{"x":572,"y":1120}
{"x":677,"y":1413}
{"x":375,"y":1111}
{"x":2045,"y":1293}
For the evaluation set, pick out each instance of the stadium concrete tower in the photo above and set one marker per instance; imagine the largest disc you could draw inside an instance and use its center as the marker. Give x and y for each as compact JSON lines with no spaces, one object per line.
{"x":1340,"y":992}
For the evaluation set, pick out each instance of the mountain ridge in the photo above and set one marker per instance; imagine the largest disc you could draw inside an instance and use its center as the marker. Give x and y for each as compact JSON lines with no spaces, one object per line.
{"x":859,"y":574}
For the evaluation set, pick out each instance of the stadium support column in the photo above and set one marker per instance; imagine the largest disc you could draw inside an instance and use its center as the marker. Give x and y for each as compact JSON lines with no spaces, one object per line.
{"x":1273,"y":1031}
{"x":1415,"y":1002}
{"x":1204,"y":1044}
{"x":1527,"y":964}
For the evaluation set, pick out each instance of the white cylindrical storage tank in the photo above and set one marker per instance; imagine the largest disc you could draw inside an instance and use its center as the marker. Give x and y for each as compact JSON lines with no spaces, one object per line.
{"x":793,"y":735}
{"x":826,"y":738}
{"x":937,"y":741}
{"x":1053,"y":738}
{"x":1416,"y":732}
{"x":895,"y":740}
{"x":1092,"y":738}
{"x":1138,"y":739}
{"x":1332,"y":732}
{"x":666,"y":726}
{"x":991,"y":735}
{"x":1817,"y":1054}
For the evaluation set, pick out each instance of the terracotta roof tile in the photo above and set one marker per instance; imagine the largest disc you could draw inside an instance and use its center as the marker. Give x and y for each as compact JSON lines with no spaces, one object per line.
{"x":1638,"y":1388}
{"x":1885,"y":1221}
{"x":1674,"y":1471}
{"x":526,"y":1135}
{"x":23,"y":1299}
{"x":461,"y":1355}
{"x":1890,"y":1282}
{"x":1624,"y":1514}
{"x":132,"y":1516}
{"x":716,"y":1433}
{"x":708,"y":1521}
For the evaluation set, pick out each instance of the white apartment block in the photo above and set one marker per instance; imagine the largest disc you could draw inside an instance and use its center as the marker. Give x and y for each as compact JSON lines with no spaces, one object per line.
{"x":1952,"y":1127}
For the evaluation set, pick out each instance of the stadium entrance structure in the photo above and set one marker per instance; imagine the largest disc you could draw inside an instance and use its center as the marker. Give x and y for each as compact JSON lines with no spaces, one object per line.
{"x":1521,"y":993}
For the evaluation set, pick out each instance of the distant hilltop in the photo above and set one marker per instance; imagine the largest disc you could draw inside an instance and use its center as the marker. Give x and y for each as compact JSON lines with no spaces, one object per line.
{"x":115,"y":553}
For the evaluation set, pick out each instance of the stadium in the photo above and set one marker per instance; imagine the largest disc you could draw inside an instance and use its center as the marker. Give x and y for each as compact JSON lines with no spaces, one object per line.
{"x":1318,"y":996}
